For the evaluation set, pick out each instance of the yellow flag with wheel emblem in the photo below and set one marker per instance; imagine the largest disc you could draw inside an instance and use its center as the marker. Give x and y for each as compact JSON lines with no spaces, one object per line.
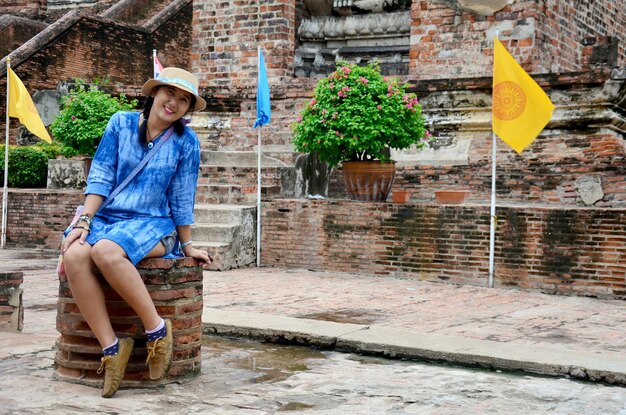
{"x":520,"y":108}
{"x":21,"y":106}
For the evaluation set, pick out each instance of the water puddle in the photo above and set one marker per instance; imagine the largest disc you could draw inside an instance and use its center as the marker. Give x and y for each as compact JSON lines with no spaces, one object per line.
{"x":344,"y":316}
{"x":270,"y":362}
{"x":295,"y":406}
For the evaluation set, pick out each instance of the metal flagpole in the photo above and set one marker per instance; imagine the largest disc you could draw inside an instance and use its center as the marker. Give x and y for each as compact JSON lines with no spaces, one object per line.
{"x":492,"y":228}
{"x":258,"y":183}
{"x":492,"y":217}
{"x":154,"y":53}
{"x":258,"y":204}
{"x":6,"y":165}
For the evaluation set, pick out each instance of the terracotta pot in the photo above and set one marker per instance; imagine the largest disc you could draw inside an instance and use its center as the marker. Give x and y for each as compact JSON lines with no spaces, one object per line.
{"x":451,"y":196}
{"x":368,"y":181}
{"x":400,"y":196}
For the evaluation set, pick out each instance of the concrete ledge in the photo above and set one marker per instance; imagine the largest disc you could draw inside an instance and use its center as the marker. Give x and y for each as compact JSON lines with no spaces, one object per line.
{"x":401,"y":343}
{"x":275,"y":329}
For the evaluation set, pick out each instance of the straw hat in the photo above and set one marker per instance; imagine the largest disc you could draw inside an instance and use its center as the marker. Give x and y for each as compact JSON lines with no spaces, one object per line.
{"x":180,"y":79}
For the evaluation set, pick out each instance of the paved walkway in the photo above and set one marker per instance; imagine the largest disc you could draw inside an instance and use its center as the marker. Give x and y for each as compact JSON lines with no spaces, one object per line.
{"x":497,"y":328}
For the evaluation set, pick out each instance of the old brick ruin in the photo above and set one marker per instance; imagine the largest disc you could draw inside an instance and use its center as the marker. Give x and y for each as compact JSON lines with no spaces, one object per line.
{"x":569,"y":186}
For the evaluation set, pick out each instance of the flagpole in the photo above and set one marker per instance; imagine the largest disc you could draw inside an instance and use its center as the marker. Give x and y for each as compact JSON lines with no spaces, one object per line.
{"x":492,"y":227}
{"x":492,"y":214}
{"x":258,"y":203}
{"x":154,"y":53}
{"x":6,"y":165}
{"x":258,"y":182}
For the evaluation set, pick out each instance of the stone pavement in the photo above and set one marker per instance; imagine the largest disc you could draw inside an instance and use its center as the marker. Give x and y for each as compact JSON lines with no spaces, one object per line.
{"x":495,"y":328}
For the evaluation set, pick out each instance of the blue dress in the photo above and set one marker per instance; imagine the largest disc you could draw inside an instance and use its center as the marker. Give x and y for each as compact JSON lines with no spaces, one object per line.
{"x":157,"y":200}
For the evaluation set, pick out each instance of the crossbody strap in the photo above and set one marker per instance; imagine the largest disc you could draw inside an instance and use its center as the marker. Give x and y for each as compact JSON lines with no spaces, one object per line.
{"x":137,"y":169}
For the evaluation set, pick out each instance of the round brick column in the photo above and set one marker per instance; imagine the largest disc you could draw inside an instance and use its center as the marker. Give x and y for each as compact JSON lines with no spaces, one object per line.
{"x":175,"y":286}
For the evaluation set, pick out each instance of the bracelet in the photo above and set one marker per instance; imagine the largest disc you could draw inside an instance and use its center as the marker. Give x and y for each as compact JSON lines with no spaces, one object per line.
{"x":83,"y":228}
{"x":182,"y":247}
{"x":85,"y":218}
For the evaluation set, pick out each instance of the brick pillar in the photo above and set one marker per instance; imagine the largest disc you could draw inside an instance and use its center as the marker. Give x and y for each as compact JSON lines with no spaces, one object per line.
{"x":11,"y":307}
{"x":175,"y":286}
{"x":226,"y":36}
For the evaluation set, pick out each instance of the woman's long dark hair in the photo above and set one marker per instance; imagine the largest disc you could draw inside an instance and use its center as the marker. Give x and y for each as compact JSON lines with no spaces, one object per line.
{"x":179,"y":125}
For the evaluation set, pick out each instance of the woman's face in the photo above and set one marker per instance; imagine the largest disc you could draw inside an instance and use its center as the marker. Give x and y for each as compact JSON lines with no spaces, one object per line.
{"x":170,"y":103}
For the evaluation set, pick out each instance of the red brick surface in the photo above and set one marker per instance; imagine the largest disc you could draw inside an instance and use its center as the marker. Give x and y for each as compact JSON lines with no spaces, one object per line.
{"x":553,"y":250}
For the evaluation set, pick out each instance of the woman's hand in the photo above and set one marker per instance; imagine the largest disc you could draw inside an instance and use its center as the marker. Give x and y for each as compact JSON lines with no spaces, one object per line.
{"x":77,"y":234}
{"x":202,"y":256}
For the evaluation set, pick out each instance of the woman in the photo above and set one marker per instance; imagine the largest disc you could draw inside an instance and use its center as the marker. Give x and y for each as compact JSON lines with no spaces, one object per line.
{"x":142,"y":221}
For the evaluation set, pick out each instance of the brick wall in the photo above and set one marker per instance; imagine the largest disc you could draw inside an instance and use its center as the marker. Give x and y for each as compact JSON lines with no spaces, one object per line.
{"x":563,"y":251}
{"x":86,"y":46}
{"x":580,"y":251}
{"x":11,"y":307}
{"x":226,"y":36}
{"x":49,"y":9}
{"x":15,"y":31}
{"x":584,"y":32}
{"x":545,"y":36}
{"x":36,"y":218}
{"x":23,"y":8}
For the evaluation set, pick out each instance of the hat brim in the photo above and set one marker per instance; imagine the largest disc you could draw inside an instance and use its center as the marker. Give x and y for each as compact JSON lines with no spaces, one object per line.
{"x":152,"y":83}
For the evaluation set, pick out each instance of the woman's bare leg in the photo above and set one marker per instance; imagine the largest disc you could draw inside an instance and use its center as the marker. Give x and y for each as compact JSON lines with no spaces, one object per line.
{"x":124,"y":278}
{"x":87,"y":292}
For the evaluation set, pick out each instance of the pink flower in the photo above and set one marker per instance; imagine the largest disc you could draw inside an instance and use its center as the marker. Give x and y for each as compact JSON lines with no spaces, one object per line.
{"x":380,"y":107}
{"x":334,"y":116}
{"x":324,"y":112}
{"x":363,"y":79}
{"x":299,"y":118}
{"x":73,"y":118}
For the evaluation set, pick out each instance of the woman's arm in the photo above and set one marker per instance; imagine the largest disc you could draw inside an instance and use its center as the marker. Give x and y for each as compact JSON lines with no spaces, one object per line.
{"x":81,"y":228}
{"x":184,"y":236}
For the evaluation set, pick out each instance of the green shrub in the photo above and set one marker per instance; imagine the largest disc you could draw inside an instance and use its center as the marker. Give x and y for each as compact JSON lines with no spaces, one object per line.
{"x":52,"y":150}
{"x":28,"y":166}
{"x":84,"y":116}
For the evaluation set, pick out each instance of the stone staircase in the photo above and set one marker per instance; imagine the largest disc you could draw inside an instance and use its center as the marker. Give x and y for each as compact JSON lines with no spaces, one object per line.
{"x":227,"y":232}
{"x":226,"y":196}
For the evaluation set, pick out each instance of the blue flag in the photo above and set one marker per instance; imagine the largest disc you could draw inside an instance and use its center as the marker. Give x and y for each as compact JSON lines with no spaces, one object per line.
{"x":263,"y":112}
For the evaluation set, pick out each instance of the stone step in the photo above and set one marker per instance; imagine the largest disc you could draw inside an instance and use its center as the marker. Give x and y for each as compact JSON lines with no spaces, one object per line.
{"x":219,"y":251}
{"x":238,"y":159}
{"x":223,"y":214}
{"x":233,"y":194}
{"x":214,"y":232}
{"x":266,"y":171}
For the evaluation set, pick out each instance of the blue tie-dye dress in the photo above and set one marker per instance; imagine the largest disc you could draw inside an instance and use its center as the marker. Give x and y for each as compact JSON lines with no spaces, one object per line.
{"x":157,"y":200}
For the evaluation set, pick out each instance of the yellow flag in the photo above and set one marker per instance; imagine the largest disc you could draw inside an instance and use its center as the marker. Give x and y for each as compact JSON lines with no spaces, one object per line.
{"x":520,"y":108}
{"x":21,"y":106}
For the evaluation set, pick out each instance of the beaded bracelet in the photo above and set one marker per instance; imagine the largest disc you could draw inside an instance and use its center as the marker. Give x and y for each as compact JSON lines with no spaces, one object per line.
{"x":85,"y":218}
{"x":182,"y":247}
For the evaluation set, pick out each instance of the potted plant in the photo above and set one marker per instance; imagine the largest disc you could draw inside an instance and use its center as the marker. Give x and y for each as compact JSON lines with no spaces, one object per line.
{"x":355,"y":117}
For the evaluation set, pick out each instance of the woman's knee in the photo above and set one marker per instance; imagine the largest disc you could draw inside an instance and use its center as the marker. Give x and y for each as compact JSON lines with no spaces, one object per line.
{"x":77,"y":258}
{"x":105,"y":253}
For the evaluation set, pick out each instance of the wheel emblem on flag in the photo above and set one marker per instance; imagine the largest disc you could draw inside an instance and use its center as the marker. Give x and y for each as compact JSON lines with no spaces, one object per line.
{"x":509,"y":101}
